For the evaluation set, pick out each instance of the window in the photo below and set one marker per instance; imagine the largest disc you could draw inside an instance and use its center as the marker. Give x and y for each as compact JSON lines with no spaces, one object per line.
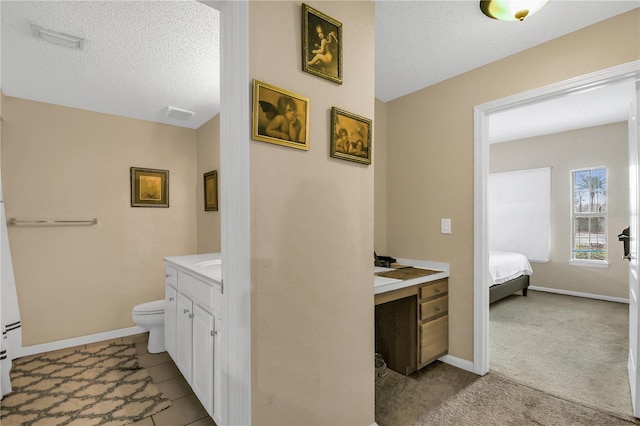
{"x":589,"y":215}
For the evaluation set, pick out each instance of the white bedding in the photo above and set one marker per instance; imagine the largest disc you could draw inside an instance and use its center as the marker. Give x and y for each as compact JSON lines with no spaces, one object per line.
{"x":505,"y":266}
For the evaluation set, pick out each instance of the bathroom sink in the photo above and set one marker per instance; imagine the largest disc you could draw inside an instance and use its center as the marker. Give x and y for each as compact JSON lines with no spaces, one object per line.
{"x":208,"y":263}
{"x":210,"y":268}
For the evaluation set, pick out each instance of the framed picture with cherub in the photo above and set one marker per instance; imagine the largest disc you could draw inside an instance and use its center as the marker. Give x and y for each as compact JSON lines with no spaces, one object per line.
{"x":321,"y":44}
{"x":280,"y":117}
{"x":350,"y":136}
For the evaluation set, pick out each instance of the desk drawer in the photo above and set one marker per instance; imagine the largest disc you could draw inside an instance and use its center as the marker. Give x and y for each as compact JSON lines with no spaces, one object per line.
{"x":434,"y":307}
{"x":437,"y":288}
{"x":434,"y":339}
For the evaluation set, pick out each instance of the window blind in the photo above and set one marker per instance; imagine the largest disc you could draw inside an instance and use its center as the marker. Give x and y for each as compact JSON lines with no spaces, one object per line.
{"x":519,"y":212}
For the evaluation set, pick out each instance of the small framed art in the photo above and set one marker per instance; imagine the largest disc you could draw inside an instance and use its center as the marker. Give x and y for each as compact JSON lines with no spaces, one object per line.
{"x":350,"y":136}
{"x":280,"y":117}
{"x":149,"y":187}
{"x":211,"y":191}
{"x":321,"y":44}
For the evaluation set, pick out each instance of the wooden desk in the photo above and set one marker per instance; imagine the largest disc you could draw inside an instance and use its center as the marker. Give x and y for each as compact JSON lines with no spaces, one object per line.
{"x":412,"y":325}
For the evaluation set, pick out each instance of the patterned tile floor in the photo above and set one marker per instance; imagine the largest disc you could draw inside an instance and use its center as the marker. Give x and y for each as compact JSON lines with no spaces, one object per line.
{"x":185,"y":408}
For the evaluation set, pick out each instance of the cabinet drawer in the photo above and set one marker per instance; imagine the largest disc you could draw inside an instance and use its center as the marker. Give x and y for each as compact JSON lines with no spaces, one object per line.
{"x":437,"y":288}
{"x":434,"y":307}
{"x":434,"y":339}
{"x":196,"y":290}
{"x":170,"y":276}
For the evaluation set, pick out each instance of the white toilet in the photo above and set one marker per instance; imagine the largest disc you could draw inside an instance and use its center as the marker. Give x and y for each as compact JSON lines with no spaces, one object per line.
{"x":150,"y":316}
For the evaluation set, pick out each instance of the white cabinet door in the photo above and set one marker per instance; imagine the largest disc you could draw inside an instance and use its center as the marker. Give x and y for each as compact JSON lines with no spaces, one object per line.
{"x":203,"y":329}
{"x":170,"y":306}
{"x":184,"y":336}
{"x":217,"y":372}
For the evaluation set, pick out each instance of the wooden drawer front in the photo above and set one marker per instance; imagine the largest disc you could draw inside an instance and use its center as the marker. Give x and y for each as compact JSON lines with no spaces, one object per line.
{"x":170,"y":276}
{"x":434,"y":307}
{"x":438,"y":288}
{"x":201,"y":293}
{"x":434,"y":339}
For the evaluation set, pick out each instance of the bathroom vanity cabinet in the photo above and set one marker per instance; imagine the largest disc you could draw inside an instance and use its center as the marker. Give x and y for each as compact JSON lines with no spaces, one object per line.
{"x":193,"y":324}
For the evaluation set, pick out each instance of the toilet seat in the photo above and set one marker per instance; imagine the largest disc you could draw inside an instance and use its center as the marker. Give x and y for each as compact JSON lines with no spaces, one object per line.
{"x":149,"y":308}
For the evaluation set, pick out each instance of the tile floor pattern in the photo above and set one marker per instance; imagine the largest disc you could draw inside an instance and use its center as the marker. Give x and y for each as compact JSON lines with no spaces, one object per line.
{"x":185,"y":408}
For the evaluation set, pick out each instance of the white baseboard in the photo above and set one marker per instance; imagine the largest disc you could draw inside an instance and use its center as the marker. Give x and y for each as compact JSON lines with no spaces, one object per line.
{"x":82,"y":340}
{"x":579,"y":294}
{"x":457,"y":362}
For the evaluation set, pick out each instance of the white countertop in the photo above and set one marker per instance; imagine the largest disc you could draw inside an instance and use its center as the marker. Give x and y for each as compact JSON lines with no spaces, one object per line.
{"x":383,"y":284}
{"x":207,"y":266}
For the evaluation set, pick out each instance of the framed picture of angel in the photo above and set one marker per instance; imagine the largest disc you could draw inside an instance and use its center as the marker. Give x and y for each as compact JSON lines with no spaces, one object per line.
{"x":280,"y":117}
{"x":321,"y":44}
{"x":350,"y":136}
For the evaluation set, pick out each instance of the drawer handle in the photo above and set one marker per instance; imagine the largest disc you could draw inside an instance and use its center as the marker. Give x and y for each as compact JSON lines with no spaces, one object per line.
{"x":185,"y":311}
{"x":190,"y":316}
{"x":167,"y":275}
{"x":437,"y":308}
{"x":171,"y":299}
{"x":214,"y":333}
{"x":437,"y":290}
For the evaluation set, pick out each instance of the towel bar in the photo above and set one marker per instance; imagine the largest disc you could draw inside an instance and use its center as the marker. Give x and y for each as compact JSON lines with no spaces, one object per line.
{"x":15,"y":222}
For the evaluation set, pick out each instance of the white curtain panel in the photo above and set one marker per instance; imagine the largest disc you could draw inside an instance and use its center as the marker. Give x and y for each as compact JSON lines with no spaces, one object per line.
{"x":11,"y":341}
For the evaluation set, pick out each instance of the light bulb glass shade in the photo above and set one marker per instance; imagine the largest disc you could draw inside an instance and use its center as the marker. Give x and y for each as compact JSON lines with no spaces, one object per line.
{"x":511,"y":10}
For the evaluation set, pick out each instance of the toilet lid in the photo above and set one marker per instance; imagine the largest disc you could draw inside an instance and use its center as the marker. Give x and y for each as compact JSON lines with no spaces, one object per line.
{"x":150,"y":308}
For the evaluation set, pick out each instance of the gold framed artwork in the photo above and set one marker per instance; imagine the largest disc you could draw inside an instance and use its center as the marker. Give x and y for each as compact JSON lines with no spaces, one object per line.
{"x":350,"y":136}
{"x":149,"y":187}
{"x":211,"y":191}
{"x":280,"y":117}
{"x":321,"y":44}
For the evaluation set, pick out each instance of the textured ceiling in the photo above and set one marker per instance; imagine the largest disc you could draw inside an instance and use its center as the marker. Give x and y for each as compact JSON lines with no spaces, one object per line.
{"x":420,"y":43}
{"x":142,"y":56}
{"x":139,"y":57}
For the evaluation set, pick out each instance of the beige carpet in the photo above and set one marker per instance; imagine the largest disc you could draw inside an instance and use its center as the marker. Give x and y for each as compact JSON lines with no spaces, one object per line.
{"x":570,"y":347}
{"x":444,"y":395}
{"x":100,"y":385}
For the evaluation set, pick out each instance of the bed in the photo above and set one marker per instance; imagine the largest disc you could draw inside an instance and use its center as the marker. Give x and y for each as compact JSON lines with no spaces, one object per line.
{"x":509,"y":272}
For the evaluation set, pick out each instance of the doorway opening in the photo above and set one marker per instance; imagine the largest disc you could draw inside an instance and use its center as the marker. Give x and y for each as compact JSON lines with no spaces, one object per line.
{"x":482,"y":116}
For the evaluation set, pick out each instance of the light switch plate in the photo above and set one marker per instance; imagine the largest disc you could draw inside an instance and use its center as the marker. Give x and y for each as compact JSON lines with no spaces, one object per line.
{"x":445,"y":226}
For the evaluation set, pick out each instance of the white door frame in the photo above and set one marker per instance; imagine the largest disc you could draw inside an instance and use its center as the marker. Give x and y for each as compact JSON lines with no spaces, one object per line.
{"x":235,"y":94}
{"x":482,"y":112}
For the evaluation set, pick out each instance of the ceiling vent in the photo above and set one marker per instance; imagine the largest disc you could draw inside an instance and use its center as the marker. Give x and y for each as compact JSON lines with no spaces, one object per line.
{"x":179,"y":114}
{"x":57,"y":38}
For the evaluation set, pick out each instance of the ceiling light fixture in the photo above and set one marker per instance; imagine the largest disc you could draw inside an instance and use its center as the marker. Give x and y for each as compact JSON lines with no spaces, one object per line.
{"x":57,"y":38}
{"x":514,"y":10}
{"x":179,"y":114}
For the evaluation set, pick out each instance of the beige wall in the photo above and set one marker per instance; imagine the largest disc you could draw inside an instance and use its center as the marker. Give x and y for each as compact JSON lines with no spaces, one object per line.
{"x":563,"y":152}
{"x":380,"y":179}
{"x":208,"y":159}
{"x":64,"y":163}
{"x":312,"y":235}
{"x":430,"y":159}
